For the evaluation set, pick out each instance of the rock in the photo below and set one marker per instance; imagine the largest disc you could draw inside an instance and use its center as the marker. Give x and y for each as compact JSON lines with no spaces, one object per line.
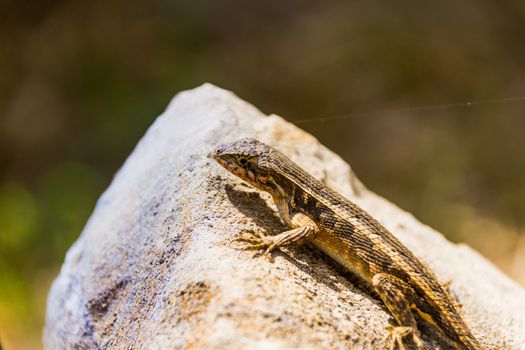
{"x":153,"y":268}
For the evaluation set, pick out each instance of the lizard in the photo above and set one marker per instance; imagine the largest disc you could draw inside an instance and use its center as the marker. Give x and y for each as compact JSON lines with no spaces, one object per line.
{"x":348,"y":234}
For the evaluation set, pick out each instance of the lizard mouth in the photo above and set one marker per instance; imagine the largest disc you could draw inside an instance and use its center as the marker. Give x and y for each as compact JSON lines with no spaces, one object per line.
{"x":225,"y":163}
{"x":213,"y":155}
{"x":217,"y":158}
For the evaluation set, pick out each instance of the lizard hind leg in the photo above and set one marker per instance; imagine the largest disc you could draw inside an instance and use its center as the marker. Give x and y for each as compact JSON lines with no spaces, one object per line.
{"x":446,"y":285}
{"x":398,"y":296}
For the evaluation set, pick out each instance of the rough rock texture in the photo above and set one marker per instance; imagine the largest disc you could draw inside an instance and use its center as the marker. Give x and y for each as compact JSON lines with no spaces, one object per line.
{"x":153,"y":268}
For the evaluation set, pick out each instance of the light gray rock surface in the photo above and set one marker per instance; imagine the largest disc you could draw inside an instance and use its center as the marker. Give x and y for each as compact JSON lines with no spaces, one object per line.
{"x":153,"y":269}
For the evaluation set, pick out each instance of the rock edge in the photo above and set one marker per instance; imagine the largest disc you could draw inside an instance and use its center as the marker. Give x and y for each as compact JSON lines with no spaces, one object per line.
{"x":153,"y":269}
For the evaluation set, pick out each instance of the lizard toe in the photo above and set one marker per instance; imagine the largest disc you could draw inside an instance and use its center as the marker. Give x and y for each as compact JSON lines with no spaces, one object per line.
{"x":398,"y":334}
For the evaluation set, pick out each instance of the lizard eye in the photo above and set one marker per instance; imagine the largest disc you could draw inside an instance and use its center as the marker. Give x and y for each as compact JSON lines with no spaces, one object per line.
{"x":243,"y":161}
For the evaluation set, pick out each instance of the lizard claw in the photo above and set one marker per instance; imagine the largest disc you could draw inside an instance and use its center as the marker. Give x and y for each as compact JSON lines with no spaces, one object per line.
{"x":447,"y":285}
{"x":397,"y":334}
{"x":256,"y":240}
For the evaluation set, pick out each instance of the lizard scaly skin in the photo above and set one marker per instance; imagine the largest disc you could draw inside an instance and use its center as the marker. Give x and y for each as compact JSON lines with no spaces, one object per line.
{"x":352,"y":237}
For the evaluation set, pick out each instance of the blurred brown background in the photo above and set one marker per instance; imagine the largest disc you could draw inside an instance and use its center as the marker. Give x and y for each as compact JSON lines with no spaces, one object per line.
{"x":80,"y":82}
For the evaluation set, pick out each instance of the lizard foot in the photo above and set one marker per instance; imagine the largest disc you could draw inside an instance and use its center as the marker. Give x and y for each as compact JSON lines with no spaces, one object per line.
{"x":256,"y":240}
{"x":447,"y":285}
{"x":397,"y":334}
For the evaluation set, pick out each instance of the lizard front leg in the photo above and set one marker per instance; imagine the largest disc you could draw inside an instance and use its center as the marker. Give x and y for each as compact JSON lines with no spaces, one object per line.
{"x":398,"y":297}
{"x":304,"y":228}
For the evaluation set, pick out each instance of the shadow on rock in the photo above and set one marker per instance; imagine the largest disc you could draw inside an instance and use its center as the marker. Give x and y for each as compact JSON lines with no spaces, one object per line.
{"x":255,"y":207}
{"x":306,"y":257}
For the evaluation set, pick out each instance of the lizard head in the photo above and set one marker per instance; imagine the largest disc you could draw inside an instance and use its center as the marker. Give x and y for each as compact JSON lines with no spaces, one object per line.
{"x":248,"y":159}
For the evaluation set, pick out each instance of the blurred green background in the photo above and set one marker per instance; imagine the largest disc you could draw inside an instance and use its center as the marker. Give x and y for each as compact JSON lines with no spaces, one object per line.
{"x":81,"y":81}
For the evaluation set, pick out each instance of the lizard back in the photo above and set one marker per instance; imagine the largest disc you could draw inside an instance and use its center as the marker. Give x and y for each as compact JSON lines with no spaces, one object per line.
{"x":346,"y":232}
{"x":368,"y":247}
